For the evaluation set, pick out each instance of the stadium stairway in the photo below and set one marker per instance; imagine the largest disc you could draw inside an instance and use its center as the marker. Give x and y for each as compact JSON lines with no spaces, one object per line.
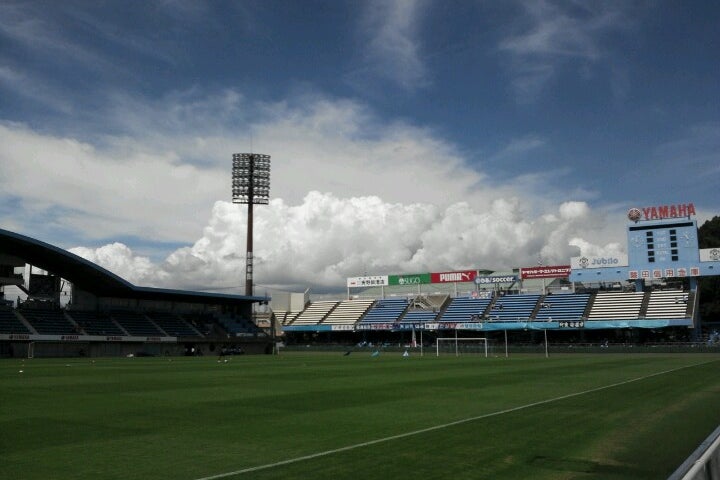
{"x":690,"y":312}
{"x":644,"y":305}
{"x":589,"y":306}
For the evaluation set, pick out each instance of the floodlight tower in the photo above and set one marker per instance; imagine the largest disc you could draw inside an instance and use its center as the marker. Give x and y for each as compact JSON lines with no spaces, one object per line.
{"x":250,"y":185}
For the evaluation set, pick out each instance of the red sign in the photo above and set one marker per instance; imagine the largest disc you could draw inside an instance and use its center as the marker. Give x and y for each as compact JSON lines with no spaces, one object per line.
{"x":557,"y":271}
{"x":446,"y":277}
{"x":669,"y":211}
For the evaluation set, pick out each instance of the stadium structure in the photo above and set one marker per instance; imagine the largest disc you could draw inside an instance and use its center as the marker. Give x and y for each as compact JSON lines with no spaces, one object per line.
{"x":73,"y":307}
{"x":649,"y":294}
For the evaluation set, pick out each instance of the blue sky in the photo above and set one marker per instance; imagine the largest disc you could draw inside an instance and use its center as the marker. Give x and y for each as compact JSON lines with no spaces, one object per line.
{"x":541,"y":120}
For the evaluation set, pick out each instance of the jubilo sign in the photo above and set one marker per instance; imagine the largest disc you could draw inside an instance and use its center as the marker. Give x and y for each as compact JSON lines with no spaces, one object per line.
{"x":661,"y":212}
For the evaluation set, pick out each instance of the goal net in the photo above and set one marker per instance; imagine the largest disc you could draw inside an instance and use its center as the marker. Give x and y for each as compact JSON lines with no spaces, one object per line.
{"x":461,"y":346}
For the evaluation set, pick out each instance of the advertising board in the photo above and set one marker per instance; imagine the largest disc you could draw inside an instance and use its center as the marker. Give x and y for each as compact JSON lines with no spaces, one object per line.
{"x":552,"y":271}
{"x":448,"y":277}
{"x":490,"y":279}
{"x":577,"y":263}
{"x":368,"y":281}
{"x":710,"y":254}
{"x":411,"y":279}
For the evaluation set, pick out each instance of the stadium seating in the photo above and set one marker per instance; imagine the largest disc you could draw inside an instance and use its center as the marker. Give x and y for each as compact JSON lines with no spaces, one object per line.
{"x":419,"y":316}
{"x":513,"y":307}
{"x":348,"y":312}
{"x":49,"y":322}
{"x":563,"y":307}
{"x":616,"y":305}
{"x":136,"y":324}
{"x":173,"y":325}
{"x":96,"y":324}
{"x":667,"y":304}
{"x":387,"y":310}
{"x":286,"y":317}
{"x":315,"y":313}
{"x":238,"y":326}
{"x":9,"y":323}
{"x":465,"y":309}
{"x":203,"y":322}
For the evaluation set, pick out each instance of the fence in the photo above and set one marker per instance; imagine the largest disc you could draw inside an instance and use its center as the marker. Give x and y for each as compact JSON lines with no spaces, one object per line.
{"x":704,"y":463}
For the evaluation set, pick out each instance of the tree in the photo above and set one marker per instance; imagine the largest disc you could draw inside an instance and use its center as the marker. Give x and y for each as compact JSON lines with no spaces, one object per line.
{"x":709,"y":237}
{"x":709,"y":233}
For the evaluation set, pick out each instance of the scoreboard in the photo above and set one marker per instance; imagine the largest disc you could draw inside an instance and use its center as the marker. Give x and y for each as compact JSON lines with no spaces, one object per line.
{"x":662,"y":243}
{"x":663,"y":249}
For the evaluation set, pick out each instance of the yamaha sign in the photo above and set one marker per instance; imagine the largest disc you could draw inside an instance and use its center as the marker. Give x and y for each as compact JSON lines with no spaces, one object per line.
{"x":661,"y":212}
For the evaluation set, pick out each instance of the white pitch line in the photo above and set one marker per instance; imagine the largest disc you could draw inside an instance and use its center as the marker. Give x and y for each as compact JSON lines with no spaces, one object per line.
{"x":439,"y":427}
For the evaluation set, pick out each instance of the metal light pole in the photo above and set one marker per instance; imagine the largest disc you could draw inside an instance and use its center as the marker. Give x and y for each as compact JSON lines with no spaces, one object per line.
{"x":250,"y":185}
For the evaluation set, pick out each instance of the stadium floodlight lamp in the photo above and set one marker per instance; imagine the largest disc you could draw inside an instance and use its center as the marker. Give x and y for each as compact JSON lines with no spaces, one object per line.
{"x":251,"y":178}
{"x":251,"y":186}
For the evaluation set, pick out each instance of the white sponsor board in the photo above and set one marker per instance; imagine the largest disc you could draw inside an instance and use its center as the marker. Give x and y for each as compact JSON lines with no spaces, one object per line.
{"x":710,"y":254}
{"x":578,"y":263}
{"x":371,"y":281}
{"x":84,"y":338}
{"x":496,"y":279}
{"x":470,"y":326}
{"x":342,"y":328}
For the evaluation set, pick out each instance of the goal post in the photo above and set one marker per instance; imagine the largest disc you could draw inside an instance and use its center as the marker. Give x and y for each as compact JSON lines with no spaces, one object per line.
{"x":480,"y":345}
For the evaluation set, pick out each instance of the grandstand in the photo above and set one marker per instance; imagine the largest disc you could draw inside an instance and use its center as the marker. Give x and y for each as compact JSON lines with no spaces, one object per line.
{"x":465,"y":309}
{"x":49,"y":322}
{"x":173,"y":325}
{"x":617,"y":305}
{"x":513,"y":307}
{"x":563,"y":307}
{"x":348,"y":312}
{"x":10,"y":323}
{"x":506,"y":311}
{"x":107,"y":315}
{"x":387,"y":310}
{"x":624,"y":296}
{"x":136,"y":324}
{"x":238,"y":326}
{"x":315,"y":313}
{"x":287,"y":317}
{"x":92,"y":323}
{"x":668,"y":304}
{"x":419,"y":316}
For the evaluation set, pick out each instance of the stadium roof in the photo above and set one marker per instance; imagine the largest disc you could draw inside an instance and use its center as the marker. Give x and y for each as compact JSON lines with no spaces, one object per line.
{"x":94,"y":279}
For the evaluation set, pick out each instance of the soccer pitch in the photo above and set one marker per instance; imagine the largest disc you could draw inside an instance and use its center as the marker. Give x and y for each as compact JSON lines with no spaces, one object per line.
{"x":329,"y":416}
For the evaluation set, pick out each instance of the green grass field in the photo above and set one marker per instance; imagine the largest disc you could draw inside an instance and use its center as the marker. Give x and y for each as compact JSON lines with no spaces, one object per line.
{"x":570,"y":416}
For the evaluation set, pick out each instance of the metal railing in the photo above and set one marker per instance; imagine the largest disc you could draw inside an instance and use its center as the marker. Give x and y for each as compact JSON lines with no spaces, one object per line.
{"x":704,"y":463}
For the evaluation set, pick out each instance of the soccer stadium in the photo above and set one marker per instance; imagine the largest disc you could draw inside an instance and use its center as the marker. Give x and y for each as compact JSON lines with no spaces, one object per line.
{"x":600,"y":368}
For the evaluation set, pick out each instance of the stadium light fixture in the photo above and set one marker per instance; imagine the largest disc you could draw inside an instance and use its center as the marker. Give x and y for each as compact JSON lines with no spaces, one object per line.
{"x":251,"y":186}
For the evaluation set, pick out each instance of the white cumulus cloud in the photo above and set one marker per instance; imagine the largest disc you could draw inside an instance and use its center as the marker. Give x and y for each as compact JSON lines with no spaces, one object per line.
{"x":351,"y":195}
{"x":325,"y":239}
